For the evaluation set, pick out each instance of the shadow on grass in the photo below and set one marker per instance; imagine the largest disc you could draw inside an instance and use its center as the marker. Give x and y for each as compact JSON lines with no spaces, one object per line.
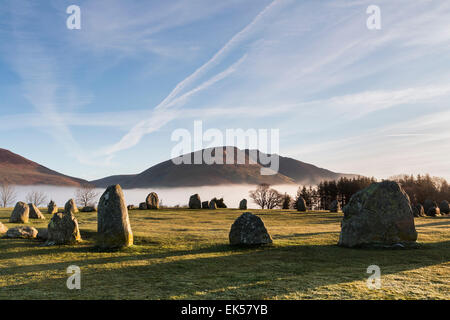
{"x":445,"y":222}
{"x":231,"y":272}
{"x":299,"y":235}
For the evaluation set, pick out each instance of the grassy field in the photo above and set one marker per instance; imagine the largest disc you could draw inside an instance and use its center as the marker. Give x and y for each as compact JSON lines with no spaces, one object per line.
{"x":184,"y":254}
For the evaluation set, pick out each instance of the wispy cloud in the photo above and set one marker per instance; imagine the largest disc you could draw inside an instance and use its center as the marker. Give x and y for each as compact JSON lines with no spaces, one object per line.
{"x":176,"y":97}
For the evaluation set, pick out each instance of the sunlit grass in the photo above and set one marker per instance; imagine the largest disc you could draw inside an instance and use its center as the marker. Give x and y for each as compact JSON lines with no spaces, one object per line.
{"x":184,"y":254}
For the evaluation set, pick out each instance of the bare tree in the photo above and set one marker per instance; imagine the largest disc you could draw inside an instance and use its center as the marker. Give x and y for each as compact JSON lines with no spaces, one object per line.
{"x":7,"y":194}
{"x":38,"y":198}
{"x":85,"y":195}
{"x":266,"y":197}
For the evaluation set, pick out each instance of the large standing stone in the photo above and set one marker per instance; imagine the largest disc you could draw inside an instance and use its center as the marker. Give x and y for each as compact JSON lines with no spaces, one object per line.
{"x":24,"y":232}
{"x":428,"y":204}
{"x":152,"y":201}
{"x":212,"y":205}
{"x":3,"y":228}
{"x":35,"y":213}
{"x":114,"y":229}
{"x":379,"y":215}
{"x":243,"y":204}
{"x":20,"y":214}
{"x":335,"y":206}
{"x":433,"y":212}
{"x":52,"y":207}
{"x":301,"y":204}
{"x":205,"y":205}
{"x":63,"y":229}
{"x":418,"y":211}
{"x":70,"y":207}
{"x":195,"y":202}
{"x":444,"y":207}
{"x":249,"y":229}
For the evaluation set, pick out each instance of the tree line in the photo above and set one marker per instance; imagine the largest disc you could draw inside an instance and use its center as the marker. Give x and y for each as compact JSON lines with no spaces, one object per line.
{"x":320,"y":197}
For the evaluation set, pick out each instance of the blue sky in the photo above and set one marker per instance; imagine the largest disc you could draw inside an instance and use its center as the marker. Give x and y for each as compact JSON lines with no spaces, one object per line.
{"x":105,"y":99}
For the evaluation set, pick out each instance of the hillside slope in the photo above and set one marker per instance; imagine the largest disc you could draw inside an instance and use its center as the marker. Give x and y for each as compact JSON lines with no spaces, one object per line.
{"x":17,"y":170}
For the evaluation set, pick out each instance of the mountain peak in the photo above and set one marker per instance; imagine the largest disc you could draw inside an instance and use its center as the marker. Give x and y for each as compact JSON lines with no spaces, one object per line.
{"x":195,"y":171}
{"x":17,"y":170}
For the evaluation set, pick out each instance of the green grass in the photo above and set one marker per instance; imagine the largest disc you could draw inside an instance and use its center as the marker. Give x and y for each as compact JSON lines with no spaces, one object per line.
{"x":184,"y":254}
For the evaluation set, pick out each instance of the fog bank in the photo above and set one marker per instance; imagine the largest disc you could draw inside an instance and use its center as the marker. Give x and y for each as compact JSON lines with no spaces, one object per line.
{"x":232,"y":194}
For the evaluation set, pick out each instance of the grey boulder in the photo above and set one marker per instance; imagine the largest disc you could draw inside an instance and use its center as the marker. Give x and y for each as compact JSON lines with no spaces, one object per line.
{"x":378,"y":216}
{"x":444,"y":207}
{"x":35,"y":213}
{"x":195,"y":202}
{"x":63,"y":229}
{"x":249,"y":229}
{"x":24,"y":232}
{"x":152,"y":201}
{"x":52,"y":207}
{"x":301,"y":204}
{"x":70,"y":207}
{"x":243,"y":204}
{"x":20,"y":214}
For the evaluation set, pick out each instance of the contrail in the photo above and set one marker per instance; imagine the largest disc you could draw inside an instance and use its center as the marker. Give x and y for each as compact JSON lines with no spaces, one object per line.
{"x":137,"y":132}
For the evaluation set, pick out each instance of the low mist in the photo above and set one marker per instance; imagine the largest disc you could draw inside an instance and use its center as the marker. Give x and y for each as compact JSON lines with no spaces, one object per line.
{"x":232,"y":194}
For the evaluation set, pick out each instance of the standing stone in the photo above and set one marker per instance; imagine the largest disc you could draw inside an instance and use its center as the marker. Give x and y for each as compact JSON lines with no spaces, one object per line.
{"x":195,"y":202}
{"x":220,"y":203}
{"x":301,"y":204}
{"x":418,"y":211}
{"x":52,"y":207}
{"x":379,"y":216}
{"x":25,"y":232}
{"x":3,"y":228}
{"x":70,"y":207}
{"x":63,"y":229}
{"x":20,"y":214}
{"x":243,"y":204}
{"x":434,"y":212}
{"x":249,"y":229}
{"x":152,"y":201}
{"x":114,"y":229}
{"x":444,"y":207}
{"x":205,"y":205}
{"x":335,"y":206}
{"x":42,"y":234}
{"x":428,"y":204}
{"x":212,"y":205}
{"x":35,"y":213}
{"x":143,"y":206}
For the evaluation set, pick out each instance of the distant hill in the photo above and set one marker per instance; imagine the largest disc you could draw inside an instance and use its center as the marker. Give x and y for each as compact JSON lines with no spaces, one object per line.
{"x":17,"y":170}
{"x":168,"y":174}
